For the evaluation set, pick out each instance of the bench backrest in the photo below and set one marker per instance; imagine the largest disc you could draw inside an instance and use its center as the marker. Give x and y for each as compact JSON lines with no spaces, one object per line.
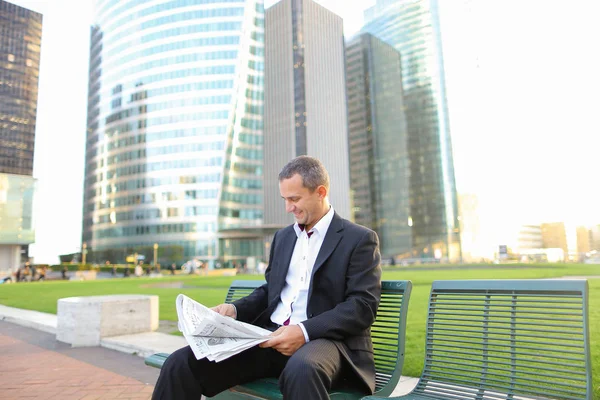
{"x":507,"y":339}
{"x":387,"y":333}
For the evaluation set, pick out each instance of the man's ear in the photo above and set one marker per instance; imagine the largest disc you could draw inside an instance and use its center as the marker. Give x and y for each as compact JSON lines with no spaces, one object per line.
{"x":322,"y":190}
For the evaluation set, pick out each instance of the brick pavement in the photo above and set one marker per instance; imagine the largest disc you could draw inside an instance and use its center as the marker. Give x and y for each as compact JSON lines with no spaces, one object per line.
{"x":28,"y":371}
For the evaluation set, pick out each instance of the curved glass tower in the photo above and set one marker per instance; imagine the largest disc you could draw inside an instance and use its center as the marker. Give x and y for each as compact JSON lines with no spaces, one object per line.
{"x":174,"y":138}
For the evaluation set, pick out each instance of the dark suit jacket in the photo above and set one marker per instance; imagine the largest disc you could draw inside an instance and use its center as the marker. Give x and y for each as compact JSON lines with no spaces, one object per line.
{"x":343,"y":295}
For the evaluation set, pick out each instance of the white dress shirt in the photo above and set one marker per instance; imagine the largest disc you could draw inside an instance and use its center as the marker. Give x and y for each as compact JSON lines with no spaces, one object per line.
{"x":294,"y":296}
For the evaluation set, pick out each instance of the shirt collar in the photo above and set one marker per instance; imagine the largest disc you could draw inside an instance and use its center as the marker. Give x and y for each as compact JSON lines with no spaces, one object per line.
{"x":321,"y":226}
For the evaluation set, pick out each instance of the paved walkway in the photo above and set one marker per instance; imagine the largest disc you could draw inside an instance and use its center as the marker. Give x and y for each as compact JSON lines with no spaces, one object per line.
{"x":34,"y":366}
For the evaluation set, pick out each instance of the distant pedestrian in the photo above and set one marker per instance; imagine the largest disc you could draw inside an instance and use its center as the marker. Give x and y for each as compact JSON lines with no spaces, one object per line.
{"x":172,"y":268}
{"x":64,"y":271}
{"x":42,"y":273}
{"x":113,"y":270}
{"x":26,"y":273}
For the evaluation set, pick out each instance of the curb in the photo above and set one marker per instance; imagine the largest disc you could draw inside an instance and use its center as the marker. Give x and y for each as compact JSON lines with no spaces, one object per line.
{"x":41,"y":321}
{"x":29,"y":324}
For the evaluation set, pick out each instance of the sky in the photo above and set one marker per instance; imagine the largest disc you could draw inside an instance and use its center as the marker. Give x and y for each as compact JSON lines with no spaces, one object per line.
{"x":522,"y":88}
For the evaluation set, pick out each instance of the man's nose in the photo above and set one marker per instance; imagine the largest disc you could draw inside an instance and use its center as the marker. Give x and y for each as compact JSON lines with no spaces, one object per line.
{"x":289,"y":207}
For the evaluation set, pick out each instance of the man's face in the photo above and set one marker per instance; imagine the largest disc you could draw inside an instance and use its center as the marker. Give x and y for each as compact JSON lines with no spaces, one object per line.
{"x":299,"y":200}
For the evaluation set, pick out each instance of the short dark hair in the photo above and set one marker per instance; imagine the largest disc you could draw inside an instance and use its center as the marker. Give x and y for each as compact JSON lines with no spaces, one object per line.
{"x":311,"y":170}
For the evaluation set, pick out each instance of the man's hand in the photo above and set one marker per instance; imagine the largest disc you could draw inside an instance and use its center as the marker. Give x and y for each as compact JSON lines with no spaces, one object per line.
{"x":286,"y":340}
{"x":227,"y":310}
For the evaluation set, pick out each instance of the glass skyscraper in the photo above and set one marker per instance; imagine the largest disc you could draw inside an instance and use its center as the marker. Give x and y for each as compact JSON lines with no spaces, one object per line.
{"x":412,"y":27}
{"x":20,"y":45}
{"x":378,"y":142}
{"x":305,"y":100}
{"x":175,"y":123}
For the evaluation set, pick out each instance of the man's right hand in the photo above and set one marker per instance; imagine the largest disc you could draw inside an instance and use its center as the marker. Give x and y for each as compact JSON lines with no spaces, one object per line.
{"x":227,"y":310}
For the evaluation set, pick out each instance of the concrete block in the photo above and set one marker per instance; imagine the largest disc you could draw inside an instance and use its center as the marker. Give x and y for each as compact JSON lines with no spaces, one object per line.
{"x":84,"y":321}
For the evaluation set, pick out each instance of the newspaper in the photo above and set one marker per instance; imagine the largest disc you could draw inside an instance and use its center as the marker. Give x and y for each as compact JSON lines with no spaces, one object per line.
{"x":212,"y":335}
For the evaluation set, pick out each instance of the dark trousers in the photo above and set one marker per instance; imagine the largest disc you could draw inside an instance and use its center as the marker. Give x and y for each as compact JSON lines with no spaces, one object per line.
{"x":310,"y":373}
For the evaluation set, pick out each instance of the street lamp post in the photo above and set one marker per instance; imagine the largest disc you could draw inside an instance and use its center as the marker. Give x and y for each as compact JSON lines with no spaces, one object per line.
{"x":155,"y":253}
{"x":84,"y":253}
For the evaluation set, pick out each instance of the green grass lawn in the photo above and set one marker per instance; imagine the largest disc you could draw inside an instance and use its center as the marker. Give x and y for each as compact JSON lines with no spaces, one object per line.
{"x":211,"y":291}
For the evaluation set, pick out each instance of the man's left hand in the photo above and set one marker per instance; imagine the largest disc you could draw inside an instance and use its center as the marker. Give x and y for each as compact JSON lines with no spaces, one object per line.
{"x":286,"y":340}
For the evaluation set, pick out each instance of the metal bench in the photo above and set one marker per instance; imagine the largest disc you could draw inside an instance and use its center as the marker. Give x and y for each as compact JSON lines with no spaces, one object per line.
{"x":506,"y":339}
{"x":387,"y":334}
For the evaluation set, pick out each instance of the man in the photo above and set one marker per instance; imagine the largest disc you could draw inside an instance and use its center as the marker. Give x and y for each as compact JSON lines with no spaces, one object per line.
{"x":320,"y":299}
{"x":42,"y":273}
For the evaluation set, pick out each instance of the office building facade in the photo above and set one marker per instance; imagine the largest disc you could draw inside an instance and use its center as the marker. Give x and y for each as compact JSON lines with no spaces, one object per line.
{"x":378,"y":143}
{"x":175,"y":124}
{"x":412,"y":27}
{"x":554,"y":236}
{"x":584,"y":242}
{"x":20,"y":45}
{"x":305,"y":99}
{"x":530,"y":238}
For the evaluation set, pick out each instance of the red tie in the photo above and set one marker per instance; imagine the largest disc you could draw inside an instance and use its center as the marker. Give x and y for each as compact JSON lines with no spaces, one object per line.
{"x":287,"y":321}
{"x":301,"y":226}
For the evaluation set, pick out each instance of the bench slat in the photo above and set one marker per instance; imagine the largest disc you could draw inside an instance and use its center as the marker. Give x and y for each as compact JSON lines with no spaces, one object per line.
{"x":524,"y":362}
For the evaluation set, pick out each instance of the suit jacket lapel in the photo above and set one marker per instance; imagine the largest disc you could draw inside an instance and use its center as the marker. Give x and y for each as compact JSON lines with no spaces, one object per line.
{"x":332,"y":238}
{"x":288,"y":244}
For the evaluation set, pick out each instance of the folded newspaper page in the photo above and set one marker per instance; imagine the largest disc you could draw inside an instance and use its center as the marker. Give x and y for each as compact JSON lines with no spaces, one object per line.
{"x":213,"y":335}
